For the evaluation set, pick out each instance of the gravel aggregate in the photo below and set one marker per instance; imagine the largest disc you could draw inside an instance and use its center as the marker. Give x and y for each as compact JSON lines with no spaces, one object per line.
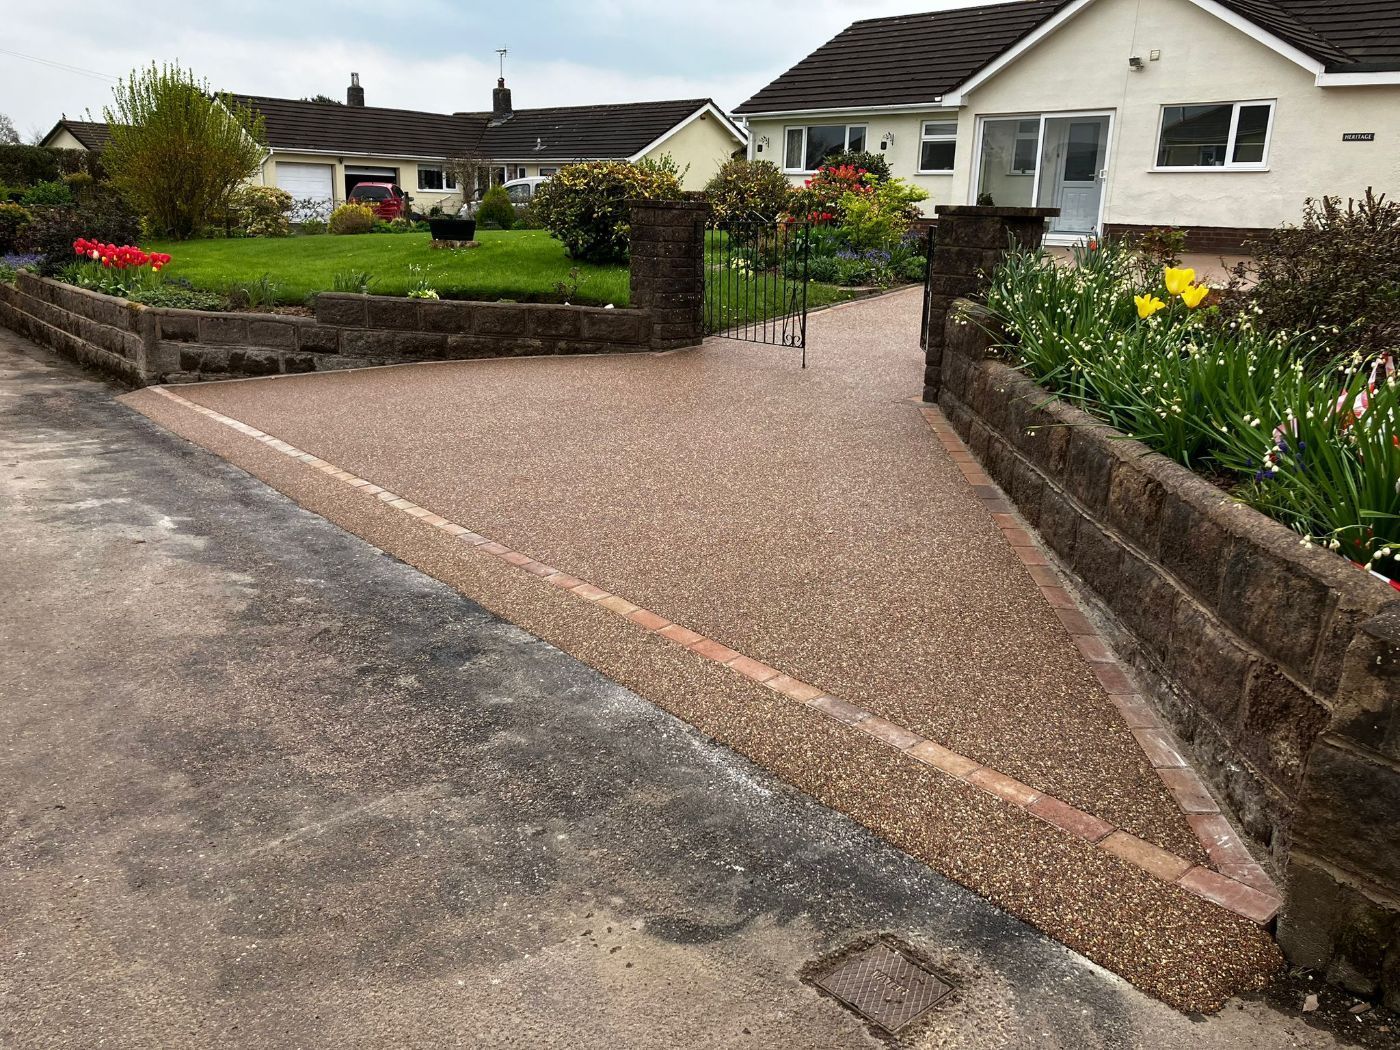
{"x":1163,"y":940}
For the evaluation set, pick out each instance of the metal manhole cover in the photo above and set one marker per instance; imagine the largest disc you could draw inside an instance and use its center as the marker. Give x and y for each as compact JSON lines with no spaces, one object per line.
{"x":885,"y":986}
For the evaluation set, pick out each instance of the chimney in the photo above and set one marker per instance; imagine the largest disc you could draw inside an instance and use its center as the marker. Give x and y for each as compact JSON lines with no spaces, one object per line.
{"x":500,"y":103}
{"x":354,"y":94}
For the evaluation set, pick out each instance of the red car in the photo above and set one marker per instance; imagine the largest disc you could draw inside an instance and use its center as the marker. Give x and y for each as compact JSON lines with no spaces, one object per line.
{"x":388,"y":201}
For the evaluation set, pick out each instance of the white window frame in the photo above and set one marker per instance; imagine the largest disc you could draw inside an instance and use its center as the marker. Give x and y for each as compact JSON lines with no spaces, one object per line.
{"x":817,"y":124}
{"x":449,"y":180}
{"x":924,"y":136}
{"x":1038,"y":137}
{"x":1230,"y":164}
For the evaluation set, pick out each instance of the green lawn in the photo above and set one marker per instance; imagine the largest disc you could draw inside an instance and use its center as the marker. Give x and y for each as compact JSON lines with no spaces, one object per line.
{"x":517,"y":264}
{"x":523,"y":265}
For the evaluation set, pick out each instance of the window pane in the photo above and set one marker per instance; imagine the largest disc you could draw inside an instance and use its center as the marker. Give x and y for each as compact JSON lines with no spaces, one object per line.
{"x":430,"y":178}
{"x":937,"y":156}
{"x":996,"y":175}
{"x":793,"y":157}
{"x":855,"y":138}
{"x":940,"y":127}
{"x":1023,"y":162}
{"x":1194,"y":136}
{"x":1082,"y":153}
{"x":1253,"y":129}
{"x":822,"y":141}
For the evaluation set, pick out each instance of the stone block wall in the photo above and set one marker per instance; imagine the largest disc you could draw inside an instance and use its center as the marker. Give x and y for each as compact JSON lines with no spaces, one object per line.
{"x":1277,"y":664}
{"x":156,"y":345}
{"x":143,"y":345}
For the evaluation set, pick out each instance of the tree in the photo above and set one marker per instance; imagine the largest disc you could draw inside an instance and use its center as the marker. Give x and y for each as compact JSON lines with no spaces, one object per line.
{"x":470,"y":171}
{"x":8,"y":135}
{"x":324,"y":98}
{"x":177,"y":151}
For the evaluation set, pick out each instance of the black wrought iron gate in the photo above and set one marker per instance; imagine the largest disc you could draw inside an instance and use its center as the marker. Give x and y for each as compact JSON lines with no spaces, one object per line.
{"x":756,"y":281}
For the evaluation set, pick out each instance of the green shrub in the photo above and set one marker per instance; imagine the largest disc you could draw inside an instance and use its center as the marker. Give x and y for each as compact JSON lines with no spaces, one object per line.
{"x":874,"y":164}
{"x":496,"y":211}
{"x":261,"y":211}
{"x":822,"y":197}
{"x":880,"y":219}
{"x":26,"y":165}
{"x":527,"y":217}
{"x":312,"y":227}
{"x":1337,"y":273}
{"x":352,"y":218}
{"x":14,"y":221}
{"x":176,"y":149}
{"x":53,"y":194}
{"x":748,"y":189}
{"x":101,"y":216}
{"x":585,"y":205}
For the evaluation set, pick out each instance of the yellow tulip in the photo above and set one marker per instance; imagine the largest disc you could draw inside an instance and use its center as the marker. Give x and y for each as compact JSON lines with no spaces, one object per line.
{"x":1179,"y":280}
{"x":1194,"y":294}
{"x":1148,"y":305}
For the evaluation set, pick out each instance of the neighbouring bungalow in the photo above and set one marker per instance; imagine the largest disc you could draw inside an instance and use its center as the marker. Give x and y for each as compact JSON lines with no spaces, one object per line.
{"x":1218,"y":116}
{"x":318,"y":151}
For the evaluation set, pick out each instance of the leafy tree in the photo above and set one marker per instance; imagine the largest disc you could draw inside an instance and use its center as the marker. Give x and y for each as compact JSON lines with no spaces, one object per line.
{"x":177,"y":151}
{"x":326,"y":99}
{"x":9,"y":136}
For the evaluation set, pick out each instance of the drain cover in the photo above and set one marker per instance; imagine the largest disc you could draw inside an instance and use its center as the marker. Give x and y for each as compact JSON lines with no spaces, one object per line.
{"x":885,"y":986}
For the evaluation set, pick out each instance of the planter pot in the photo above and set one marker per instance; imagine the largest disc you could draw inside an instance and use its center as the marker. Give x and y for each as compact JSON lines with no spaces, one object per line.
{"x":453,"y":229}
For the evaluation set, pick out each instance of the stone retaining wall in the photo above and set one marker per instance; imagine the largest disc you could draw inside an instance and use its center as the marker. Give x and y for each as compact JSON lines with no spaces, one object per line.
{"x":1276,"y":663}
{"x":144,"y":345}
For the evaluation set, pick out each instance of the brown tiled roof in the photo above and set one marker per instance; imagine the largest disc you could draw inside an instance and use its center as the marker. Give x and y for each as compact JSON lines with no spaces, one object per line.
{"x":1347,"y":35}
{"x":904,"y":59}
{"x":915,"y":59}
{"x":326,"y":127}
{"x":558,"y":133}
{"x":586,"y":132}
{"x":91,"y":133}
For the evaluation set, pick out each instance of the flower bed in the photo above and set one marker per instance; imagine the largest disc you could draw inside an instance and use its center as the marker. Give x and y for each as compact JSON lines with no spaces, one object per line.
{"x":1307,"y":437}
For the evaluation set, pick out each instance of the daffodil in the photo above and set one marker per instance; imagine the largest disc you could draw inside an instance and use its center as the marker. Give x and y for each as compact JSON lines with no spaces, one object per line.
{"x":1193,"y":294}
{"x":1178,"y":280}
{"x":1147,"y":305}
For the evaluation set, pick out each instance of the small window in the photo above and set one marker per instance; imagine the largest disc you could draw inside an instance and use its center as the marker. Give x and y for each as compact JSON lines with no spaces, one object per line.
{"x":1023,"y":157}
{"x":938,"y":146}
{"x":519,"y":194}
{"x":1216,"y":135}
{"x":807,"y":148}
{"x":435,"y":179}
{"x":548,"y":173}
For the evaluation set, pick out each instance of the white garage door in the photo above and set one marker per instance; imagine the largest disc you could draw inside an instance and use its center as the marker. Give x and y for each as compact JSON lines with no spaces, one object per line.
{"x":312,"y":186}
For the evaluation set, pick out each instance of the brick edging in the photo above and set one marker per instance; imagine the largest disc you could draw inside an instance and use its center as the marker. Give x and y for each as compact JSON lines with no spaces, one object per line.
{"x":1237,"y":884}
{"x":1232,"y":859}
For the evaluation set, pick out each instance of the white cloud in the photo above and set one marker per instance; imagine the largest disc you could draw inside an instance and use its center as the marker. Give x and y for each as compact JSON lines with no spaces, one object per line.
{"x":561,"y":54}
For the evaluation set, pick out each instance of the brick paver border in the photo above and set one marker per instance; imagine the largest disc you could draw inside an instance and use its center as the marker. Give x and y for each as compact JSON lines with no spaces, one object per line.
{"x":1238,"y":884}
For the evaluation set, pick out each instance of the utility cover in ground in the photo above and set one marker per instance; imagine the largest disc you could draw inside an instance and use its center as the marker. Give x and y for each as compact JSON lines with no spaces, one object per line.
{"x":885,"y":986}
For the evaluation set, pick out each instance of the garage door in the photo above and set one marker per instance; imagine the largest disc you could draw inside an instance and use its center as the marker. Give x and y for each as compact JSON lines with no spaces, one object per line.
{"x":311,"y":186}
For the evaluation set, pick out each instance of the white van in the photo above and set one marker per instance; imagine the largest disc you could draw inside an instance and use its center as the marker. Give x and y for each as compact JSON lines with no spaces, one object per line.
{"x":520,"y":192}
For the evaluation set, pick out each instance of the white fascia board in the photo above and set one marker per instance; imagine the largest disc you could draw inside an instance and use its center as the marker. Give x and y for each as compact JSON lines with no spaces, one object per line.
{"x":1378,"y":79}
{"x":1011,"y":54}
{"x":708,"y":108}
{"x":939,"y":102}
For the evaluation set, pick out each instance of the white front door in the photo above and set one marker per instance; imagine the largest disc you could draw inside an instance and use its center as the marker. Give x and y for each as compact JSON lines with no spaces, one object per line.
{"x":1074,"y":163}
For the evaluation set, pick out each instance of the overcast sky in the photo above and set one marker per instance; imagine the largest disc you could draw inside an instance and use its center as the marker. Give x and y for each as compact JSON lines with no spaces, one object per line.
{"x":428,"y":54}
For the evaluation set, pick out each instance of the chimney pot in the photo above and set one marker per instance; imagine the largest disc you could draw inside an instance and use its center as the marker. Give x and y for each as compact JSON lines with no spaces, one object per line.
{"x":354,"y":94}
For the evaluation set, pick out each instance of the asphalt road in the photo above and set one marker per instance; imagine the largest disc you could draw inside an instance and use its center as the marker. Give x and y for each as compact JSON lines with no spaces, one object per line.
{"x":265,"y":786}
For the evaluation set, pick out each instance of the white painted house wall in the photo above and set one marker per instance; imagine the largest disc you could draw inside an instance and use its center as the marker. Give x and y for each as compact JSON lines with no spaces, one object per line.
{"x":1083,"y":66}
